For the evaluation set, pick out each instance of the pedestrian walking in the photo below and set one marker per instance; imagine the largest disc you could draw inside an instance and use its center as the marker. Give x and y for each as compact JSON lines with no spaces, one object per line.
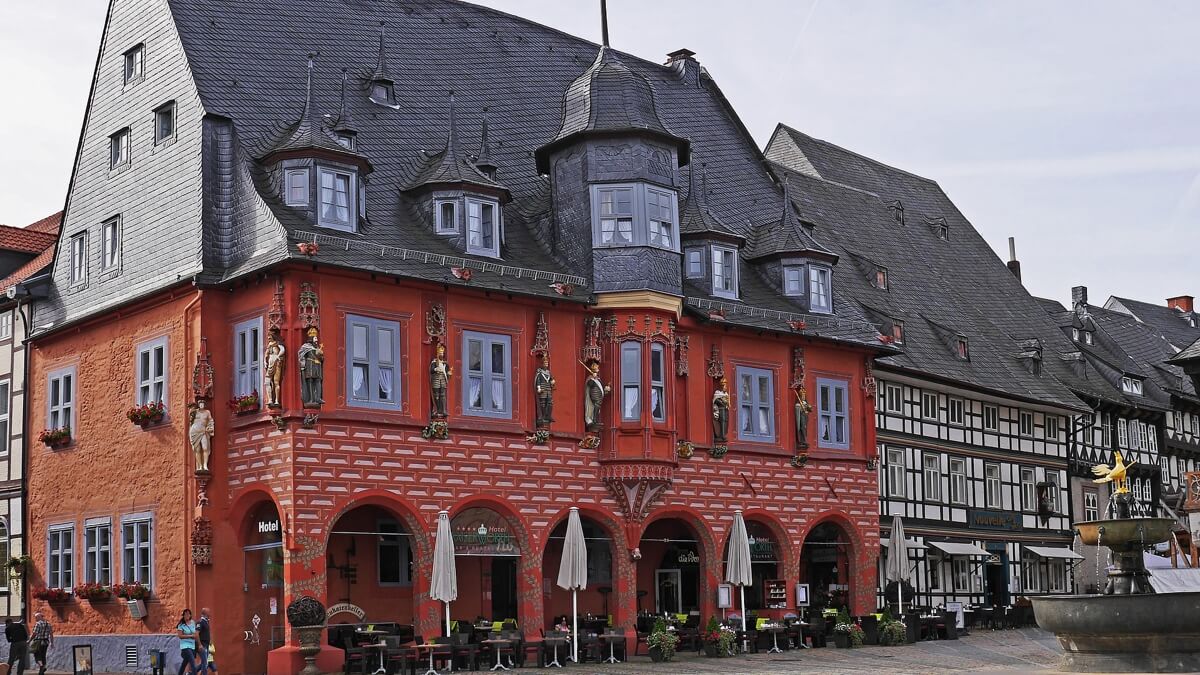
{"x":18,"y":644}
{"x":42,"y":641}
{"x":203,"y":639}
{"x":186,"y":632}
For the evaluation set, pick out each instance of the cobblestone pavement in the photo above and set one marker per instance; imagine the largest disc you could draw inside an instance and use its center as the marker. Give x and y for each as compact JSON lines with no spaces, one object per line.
{"x":1024,"y":650}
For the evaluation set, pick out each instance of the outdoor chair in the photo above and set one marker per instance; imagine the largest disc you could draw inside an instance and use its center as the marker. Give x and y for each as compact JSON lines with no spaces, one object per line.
{"x":398,"y":657}
{"x":524,"y":648}
{"x":590,"y":647}
{"x":815,"y":632}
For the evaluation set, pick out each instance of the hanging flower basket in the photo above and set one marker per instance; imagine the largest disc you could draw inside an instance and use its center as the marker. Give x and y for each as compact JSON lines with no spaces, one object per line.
{"x":436,"y":430}
{"x":52,"y":595}
{"x":56,"y":438}
{"x":132,"y":591}
{"x":718,"y":451}
{"x":245,"y":405}
{"x":147,"y":414}
{"x":93,"y":592}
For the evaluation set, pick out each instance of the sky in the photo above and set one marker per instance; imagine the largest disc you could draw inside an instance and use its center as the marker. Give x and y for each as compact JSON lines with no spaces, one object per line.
{"x":1071,"y":125}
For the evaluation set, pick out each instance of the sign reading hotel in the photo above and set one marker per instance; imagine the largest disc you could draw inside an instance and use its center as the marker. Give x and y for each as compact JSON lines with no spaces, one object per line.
{"x":483,"y":532}
{"x":994,"y":520}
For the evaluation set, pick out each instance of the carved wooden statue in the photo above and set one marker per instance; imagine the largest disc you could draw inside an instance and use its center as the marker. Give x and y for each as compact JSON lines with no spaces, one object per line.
{"x":802,"y":409}
{"x":720,"y":411}
{"x":200,"y":432}
{"x":594,"y":392}
{"x":440,"y":373}
{"x":543,"y":391}
{"x":312,"y":370}
{"x":273,"y":372}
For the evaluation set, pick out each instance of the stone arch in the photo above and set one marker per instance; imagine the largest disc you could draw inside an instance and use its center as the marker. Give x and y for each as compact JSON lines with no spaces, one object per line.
{"x":529,"y":567}
{"x":861,"y":570}
{"x":623,"y":580}
{"x":696,"y":522}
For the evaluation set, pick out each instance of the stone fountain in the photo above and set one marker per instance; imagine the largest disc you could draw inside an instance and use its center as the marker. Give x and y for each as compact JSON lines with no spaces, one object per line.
{"x":1128,"y":628}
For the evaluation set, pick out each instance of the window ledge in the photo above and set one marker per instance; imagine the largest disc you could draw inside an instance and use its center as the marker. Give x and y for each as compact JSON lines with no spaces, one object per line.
{"x":118,"y":170}
{"x":165,"y":143}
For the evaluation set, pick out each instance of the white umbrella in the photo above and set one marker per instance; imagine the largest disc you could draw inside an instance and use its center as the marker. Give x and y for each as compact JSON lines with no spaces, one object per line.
{"x":572,"y":573}
{"x":897,"y":562}
{"x":444,"y":585}
{"x":737,"y":569}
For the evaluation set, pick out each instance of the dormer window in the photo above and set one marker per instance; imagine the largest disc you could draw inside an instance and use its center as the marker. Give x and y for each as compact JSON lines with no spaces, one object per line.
{"x":336,"y":199}
{"x":483,"y":227}
{"x":695,"y":263}
{"x":383,"y":93}
{"x":345,"y":140}
{"x":820,"y":289}
{"x":724,"y":272}
{"x":634,"y":215}
{"x":941,"y":229}
{"x":295,"y":187}
{"x":881,"y":278}
{"x":1084,"y":336}
{"x":793,"y":281}
{"x":961,"y":347}
{"x":446,"y":216}
{"x":1131,"y":385}
{"x":897,"y":331}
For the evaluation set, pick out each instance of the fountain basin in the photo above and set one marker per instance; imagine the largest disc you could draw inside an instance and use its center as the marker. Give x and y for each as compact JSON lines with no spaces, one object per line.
{"x":1124,"y":633}
{"x":1122,"y":531}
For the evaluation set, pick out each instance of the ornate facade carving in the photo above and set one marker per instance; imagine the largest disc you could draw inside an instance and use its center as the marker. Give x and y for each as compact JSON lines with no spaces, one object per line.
{"x":309,"y":309}
{"x":716,"y":367}
{"x":276,"y":314}
{"x":435,"y":324}
{"x":681,"y":355}
{"x":202,"y":374}
{"x":592,"y":352}
{"x":202,"y":536}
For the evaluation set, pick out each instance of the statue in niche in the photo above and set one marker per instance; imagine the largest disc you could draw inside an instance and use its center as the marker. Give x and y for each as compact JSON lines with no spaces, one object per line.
{"x":201,"y":429}
{"x":273,"y":371}
{"x":594,"y":391}
{"x":312,"y":370}
{"x":720,"y":411}
{"x":543,"y":391}
{"x":802,"y":409}
{"x":440,"y":373}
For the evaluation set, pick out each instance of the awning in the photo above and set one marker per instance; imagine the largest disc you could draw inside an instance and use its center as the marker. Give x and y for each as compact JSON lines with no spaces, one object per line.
{"x":912,"y":543}
{"x":1054,"y":553}
{"x":966,"y":550}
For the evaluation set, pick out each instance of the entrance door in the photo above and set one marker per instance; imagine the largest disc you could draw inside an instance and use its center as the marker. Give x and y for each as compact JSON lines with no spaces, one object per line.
{"x":504,"y":588}
{"x":996,"y":577}
{"x":263,"y":575}
{"x":667,"y":596}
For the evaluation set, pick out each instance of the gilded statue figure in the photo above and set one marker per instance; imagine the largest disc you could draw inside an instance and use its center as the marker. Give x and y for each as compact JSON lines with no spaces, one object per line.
{"x":720,"y":411}
{"x":543,"y":391}
{"x":440,"y":373}
{"x":594,"y":392}
{"x":312,"y":370}
{"x":201,"y":429}
{"x":273,"y":372}
{"x":802,"y":409}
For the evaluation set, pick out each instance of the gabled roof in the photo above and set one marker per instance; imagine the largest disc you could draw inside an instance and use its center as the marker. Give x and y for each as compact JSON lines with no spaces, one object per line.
{"x":25,"y":240}
{"x":1189,"y":354}
{"x":451,"y":166}
{"x":696,"y":219}
{"x":47,"y":228}
{"x":1172,"y":323}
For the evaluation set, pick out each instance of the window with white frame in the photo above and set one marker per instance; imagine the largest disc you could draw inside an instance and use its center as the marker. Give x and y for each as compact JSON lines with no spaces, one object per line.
{"x":394,"y":555}
{"x":164,"y":123}
{"x":1131,"y":385}
{"x":833,"y":406}
{"x":929,"y":405}
{"x":958,"y":480}
{"x":1105,"y":430}
{"x":4,"y":411}
{"x":295,"y":187}
{"x":1028,"y":489}
{"x":1052,"y":490}
{"x":247,"y":356}
{"x":793,"y":280}
{"x":1031,"y":574}
{"x":991,"y":417}
{"x":137,"y":549}
{"x":78,"y":274}
{"x":483,"y":227}
{"x":6,"y":322}
{"x":1165,"y":470}
{"x":893,"y":398}
{"x":1151,"y":437}
{"x":372,"y":362}
{"x":962,"y":574}
{"x":134,"y":63}
{"x":820,"y":289}
{"x":61,"y":403}
{"x":756,"y":404}
{"x":631,"y":381}
{"x":933,"y":476}
{"x":152,"y":371}
{"x":1122,"y":433}
{"x":991,"y":477}
{"x":1051,"y":427}
{"x":110,"y":244}
{"x":695,"y":263}
{"x":896,"y":472}
{"x":1025,"y":423}
{"x":724,"y":272}
{"x":658,"y":379}
{"x":634,"y":214}
{"x":488,"y":390}
{"x":1091,"y":505}
{"x":955,"y":411}
{"x":97,"y":551}
{"x":336,"y":195}
{"x":118,"y":149}
{"x":1058,"y":576}
{"x":60,"y":557}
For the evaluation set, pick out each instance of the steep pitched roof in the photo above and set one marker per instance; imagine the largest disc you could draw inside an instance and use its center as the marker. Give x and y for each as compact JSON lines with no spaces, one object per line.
{"x":24,"y":240}
{"x":47,"y":228}
{"x":696,"y":219}
{"x":451,"y":166}
{"x":1170,"y":322}
{"x":789,"y":235}
{"x":1189,"y":354}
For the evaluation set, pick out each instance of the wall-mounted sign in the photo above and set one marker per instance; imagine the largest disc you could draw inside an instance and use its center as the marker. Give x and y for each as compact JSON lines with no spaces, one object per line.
{"x":268,"y":526}
{"x":762,"y":549}
{"x":724,"y":596}
{"x":802,"y":595}
{"x":687,"y":557}
{"x":83,"y":659}
{"x":346,"y":608}
{"x":483,"y":532}
{"x":994,"y":520}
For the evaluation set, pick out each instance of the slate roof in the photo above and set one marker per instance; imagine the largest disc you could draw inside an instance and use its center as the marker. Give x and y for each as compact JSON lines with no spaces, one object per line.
{"x":1168,"y":321}
{"x":938,"y":288}
{"x":451,"y":165}
{"x":308,"y":132}
{"x":1190,"y":353}
{"x":788,"y":235}
{"x":47,"y":228}
{"x":696,"y":219}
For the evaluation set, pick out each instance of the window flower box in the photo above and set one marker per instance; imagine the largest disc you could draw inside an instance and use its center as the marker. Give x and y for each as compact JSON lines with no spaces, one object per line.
{"x":132,"y":591}
{"x":56,"y":438}
{"x":52,"y":595}
{"x":147,"y":414}
{"x":93,"y":592}
{"x":245,"y":405}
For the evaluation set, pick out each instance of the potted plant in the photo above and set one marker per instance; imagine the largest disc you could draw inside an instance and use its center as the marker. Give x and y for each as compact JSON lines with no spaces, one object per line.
{"x":52,"y":595}
{"x":711,"y":636}
{"x":662,"y":642}
{"x":306,"y":615}
{"x":93,"y":592}
{"x":56,"y":438}
{"x":892,"y":633}
{"x":146,"y":414}
{"x":246,"y":404}
{"x":846,"y":633}
{"x":135,"y":590}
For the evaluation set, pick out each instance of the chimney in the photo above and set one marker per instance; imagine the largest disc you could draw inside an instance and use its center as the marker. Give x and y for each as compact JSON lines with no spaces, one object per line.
{"x":1078,"y":296}
{"x":1183,"y":303}
{"x":683,"y":61}
{"x":680,"y":55}
{"x":1014,"y":265}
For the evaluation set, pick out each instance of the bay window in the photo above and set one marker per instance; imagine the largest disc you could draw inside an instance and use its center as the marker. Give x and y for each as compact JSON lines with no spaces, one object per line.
{"x":634,"y":214}
{"x":658,"y":366}
{"x":631,"y":381}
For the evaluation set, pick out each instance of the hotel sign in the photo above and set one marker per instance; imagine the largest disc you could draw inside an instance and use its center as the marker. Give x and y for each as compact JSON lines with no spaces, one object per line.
{"x":994,"y":520}
{"x":483,"y":532}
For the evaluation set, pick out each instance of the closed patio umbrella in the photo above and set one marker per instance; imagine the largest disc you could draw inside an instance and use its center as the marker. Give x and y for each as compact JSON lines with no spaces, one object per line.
{"x":572,"y":573}
{"x":897,"y":562}
{"x":737,"y":570}
{"x":444,"y":585}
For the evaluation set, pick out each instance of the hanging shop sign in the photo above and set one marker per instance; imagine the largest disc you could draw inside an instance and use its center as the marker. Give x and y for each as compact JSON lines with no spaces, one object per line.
{"x":483,"y":532}
{"x":994,"y":520}
{"x":346,"y":608}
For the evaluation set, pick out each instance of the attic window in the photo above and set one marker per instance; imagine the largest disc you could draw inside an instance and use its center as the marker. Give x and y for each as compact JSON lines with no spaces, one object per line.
{"x":881,"y":278}
{"x":346,"y":141}
{"x":1131,"y":385}
{"x":118,"y":149}
{"x":634,"y":214}
{"x":793,"y":280}
{"x":135,"y":62}
{"x":383,"y":93}
{"x":724,"y":272}
{"x":483,"y":228}
{"x":897,"y":331}
{"x":336,"y":196}
{"x":820,"y":289}
{"x":941,"y":229}
{"x":446,"y":216}
{"x":961,"y":347}
{"x":1084,"y":336}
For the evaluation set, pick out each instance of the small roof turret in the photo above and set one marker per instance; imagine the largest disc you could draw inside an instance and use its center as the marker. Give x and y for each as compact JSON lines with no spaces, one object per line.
{"x":787,"y":237}
{"x":696,"y":221}
{"x":452,"y":167}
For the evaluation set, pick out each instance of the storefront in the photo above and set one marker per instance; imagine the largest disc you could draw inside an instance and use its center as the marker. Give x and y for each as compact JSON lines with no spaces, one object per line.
{"x":825,"y":565}
{"x":262,"y":583}
{"x":487,"y":560}
{"x":671,"y":570}
{"x":594,"y":600}
{"x":369,"y":565}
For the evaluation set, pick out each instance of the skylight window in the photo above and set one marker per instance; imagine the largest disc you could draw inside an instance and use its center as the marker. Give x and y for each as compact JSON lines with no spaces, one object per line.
{"x":881,"y":278}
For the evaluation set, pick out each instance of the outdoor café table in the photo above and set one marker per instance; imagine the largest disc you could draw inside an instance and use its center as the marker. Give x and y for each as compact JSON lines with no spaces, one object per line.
{"x":429,"y":648}
{"x":798,"y":627}
{"x":611,"y":639}
{"x":774,"y":630}
{"x":556,"y":641}
{"x":496,"y":643}
{"x":380,"y":646}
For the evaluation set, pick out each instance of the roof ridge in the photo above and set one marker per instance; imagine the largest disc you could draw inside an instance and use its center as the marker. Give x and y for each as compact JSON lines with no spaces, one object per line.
{"x":792,"y":130}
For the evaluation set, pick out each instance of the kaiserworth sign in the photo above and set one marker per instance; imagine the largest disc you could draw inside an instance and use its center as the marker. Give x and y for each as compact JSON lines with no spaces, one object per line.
{"x":994,"y":520}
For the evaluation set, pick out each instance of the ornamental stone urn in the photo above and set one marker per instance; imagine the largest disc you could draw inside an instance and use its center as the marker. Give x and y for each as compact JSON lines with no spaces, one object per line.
{"x":306,"y":615}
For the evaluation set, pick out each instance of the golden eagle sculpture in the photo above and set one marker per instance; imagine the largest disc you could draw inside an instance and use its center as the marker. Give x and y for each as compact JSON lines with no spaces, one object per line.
{"x":1114,"y":475}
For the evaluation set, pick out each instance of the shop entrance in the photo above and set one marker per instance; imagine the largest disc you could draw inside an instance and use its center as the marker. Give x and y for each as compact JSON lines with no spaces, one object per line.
{"x":825,"y":565}
{"x":764,"y":568}
{"x":487,"y":560}
{"x":593,"y":601}
{"x":262,"y":583}
{"x":369,"y":562}
{"x":667,"y":596}
{"x":504,"y":587}
{"x":670,"y":571}
{"x":996,"y":578}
